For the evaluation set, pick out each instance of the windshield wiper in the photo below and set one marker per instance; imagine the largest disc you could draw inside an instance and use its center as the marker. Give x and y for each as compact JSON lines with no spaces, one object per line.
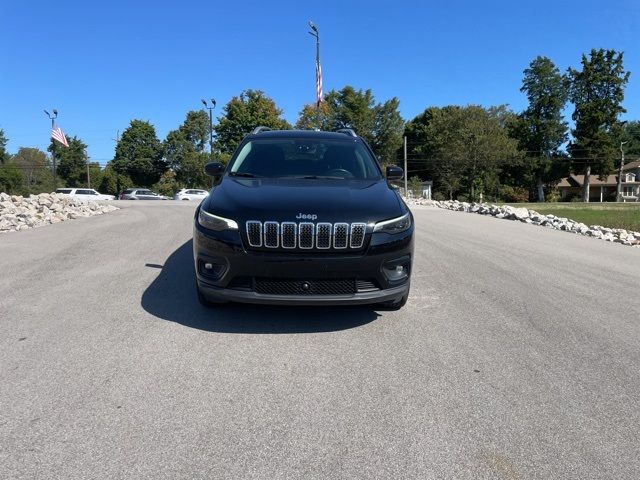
{"x":243,"y":174}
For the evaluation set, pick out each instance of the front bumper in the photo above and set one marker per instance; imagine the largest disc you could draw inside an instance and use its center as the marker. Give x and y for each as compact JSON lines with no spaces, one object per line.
{"x":227,"y":252}
{"x":215,"y":294}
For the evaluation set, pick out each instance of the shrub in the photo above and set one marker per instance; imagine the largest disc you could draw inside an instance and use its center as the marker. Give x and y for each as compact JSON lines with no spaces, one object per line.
{"x":462,"y":198}
{"x":439,"y":196}
{"x":514,"y":194}
{"x":552,"y":196}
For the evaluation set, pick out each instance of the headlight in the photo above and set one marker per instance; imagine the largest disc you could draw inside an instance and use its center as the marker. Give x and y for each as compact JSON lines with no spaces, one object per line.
{"x":395,"y":225}
{"x":214,"y":222}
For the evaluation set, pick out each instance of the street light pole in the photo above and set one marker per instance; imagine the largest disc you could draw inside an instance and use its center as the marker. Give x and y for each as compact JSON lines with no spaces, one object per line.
{"x":619,"y":189}
{"x":53,"y":150}
{"x":210,"y":108}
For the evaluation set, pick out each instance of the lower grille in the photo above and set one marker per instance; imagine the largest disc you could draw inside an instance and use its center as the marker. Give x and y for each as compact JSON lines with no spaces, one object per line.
{"x":305,"y":287}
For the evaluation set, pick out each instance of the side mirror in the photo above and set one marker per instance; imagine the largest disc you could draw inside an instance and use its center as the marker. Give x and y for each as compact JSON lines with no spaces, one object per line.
{"x":394,"y":172}
{"x":214,"y":169}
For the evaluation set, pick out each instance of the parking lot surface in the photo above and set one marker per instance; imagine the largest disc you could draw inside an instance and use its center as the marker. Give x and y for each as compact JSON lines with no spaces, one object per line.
{"x":516,"y":357}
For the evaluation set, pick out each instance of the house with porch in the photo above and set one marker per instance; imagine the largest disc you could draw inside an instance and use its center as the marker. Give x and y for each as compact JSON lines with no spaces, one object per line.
{"x":604,"y":190}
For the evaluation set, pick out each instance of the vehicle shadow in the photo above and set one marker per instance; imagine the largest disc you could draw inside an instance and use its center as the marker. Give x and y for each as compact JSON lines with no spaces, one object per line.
{"x":172,"y":296}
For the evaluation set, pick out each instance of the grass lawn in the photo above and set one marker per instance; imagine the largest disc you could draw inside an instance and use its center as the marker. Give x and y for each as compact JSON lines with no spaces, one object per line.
{"x":612,"y":215}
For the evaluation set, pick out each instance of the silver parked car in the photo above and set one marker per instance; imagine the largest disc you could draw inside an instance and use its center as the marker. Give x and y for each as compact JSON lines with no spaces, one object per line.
{"x":141,"y":194}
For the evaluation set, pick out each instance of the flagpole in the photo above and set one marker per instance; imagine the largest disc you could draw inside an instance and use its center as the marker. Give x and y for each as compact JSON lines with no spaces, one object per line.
{"x":53,"y":150}
{"x":316,"y":34}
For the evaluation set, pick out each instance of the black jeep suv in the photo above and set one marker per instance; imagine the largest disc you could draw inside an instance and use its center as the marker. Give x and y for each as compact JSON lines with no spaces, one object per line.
{"x":303,"y":218}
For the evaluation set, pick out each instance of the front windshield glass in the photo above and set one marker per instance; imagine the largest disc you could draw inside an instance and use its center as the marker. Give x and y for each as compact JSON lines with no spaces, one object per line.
{"x":305,"y":158}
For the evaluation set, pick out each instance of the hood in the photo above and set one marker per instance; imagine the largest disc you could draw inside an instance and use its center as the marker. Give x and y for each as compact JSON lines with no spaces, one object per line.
{"x":282,"y":199}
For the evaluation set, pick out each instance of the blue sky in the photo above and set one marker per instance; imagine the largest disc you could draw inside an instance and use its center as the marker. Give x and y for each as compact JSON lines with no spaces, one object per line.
{"x":102,"y":64}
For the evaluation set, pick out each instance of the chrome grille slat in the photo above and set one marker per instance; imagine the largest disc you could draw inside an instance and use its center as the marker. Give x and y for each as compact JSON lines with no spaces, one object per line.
{"x":306,"y":235}
{"x":340,"y":235}
{"x":288,"y":234}
{"x":254,"y":233}
{"x":357,"y":234}
{"x":323,"y":235}
{"x":271,"y":234}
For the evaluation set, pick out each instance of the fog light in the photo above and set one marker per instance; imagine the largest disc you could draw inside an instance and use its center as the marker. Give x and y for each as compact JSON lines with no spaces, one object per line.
{"x":396,"y":270}
{"x":212,"y":269}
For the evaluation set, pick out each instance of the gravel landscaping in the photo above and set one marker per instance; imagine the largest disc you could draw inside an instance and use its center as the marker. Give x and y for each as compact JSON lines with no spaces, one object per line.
{"x":525,"y":215}
{"x":20,"y":213}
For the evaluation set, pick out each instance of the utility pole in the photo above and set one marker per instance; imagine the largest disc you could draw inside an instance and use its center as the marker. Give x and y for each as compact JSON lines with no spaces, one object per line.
{"x":406,"y":191}
{"x":210,"y":108}
{"x":53,"y":150}
{"x":619,"y":186}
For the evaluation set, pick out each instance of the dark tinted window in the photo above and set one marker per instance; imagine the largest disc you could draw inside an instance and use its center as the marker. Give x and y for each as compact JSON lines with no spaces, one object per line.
{"x":305,"y":157}
{"x":63,"y":190}
{"x":85,"y":192}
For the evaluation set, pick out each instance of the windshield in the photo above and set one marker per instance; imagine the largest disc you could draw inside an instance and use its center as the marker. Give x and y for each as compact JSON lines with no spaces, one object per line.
{"x":305,"y":158}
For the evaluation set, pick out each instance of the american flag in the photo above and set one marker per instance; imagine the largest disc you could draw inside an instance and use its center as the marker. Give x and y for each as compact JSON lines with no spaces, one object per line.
{"x":319,"y":98}
{"x":58,"y":134}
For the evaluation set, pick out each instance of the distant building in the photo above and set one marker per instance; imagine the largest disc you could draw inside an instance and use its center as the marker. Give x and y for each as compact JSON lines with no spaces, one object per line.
{"x":606,"y":189}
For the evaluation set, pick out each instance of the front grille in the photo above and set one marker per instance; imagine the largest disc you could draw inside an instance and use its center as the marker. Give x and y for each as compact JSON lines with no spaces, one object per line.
{"x":305,"y":287}
{"x":305,"y":235}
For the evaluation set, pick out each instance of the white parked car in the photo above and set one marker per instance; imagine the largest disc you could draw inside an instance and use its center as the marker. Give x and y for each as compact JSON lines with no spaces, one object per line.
{"x":84,"y":193}
{"x":190,"y":194}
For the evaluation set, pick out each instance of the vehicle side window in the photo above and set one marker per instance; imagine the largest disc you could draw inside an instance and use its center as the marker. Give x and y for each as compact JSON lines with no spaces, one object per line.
{"x":63,"y":190}
{"x":85,"y":192}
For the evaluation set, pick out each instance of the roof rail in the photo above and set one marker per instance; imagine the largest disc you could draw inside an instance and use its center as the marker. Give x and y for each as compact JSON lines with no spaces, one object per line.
{"x":260,"y":130}
{"x":347,"y":131}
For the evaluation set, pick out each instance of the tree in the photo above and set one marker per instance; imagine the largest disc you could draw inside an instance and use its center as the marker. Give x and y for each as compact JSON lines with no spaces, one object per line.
{"x":597,"y":92}
{"x":71,"y":161}
{"x":465,"y":146}
{"x":35,"y":167}
{"x":379,"y":124}
{"x":112,"y":182}
{"x":4,"y":155}
{"x":541,"y":129}
{"x":631,"y":134}
{"x":312,"y":117}
{"x":139,"y":154}
{"x":185,"y":150}
{"x":167,"y":185}
{"x":252,"y":108}
{"x":10,"y":178}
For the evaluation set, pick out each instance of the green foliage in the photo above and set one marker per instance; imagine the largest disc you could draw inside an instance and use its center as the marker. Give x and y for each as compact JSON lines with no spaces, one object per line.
{"x":380,"y":124}
{"x":71,"y":161}
{"x":513,"y":194}
{"x":252,"y":108}
{"x":597,"y":92}
{"x":139,"y":154}
{"x":631,"y":134}
{"x":541,"y":129}
{"x":10,"y":178}
{"x":185,"y":150}
{"x":464,"y":146}
{"x":414,"y":184}
{"x":168,"y":185}
{"x":35,"y":167}
{"x":112,"y":183}
{"x":4,"y":155}
{"x":439,"y":196}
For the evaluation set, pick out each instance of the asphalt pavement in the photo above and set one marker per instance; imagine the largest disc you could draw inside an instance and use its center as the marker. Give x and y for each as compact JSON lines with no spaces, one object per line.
{"x":516,"y":357}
